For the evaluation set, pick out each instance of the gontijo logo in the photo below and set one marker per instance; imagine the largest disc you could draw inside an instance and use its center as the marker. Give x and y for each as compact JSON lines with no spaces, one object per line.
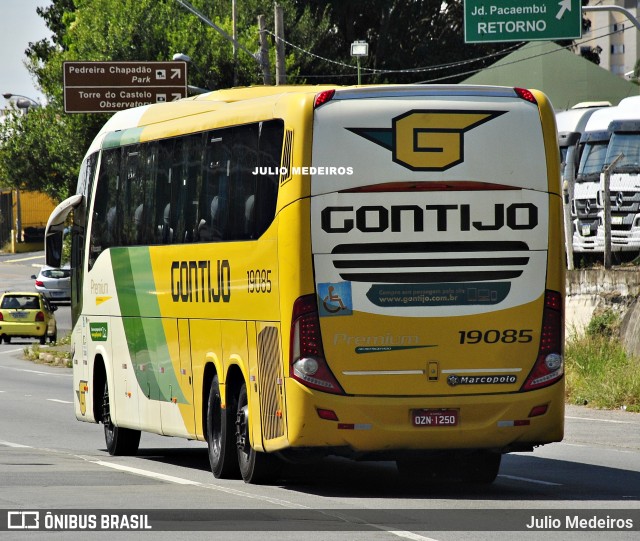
{"x":427,"y":140}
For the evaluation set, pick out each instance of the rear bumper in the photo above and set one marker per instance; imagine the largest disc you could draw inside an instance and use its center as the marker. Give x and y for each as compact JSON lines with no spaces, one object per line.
{"x":383,"y":424}
{"x":23,"y":330}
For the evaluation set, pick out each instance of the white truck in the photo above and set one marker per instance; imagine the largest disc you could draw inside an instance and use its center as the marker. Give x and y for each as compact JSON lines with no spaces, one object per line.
{"x":570,"y":125}
{"x":624,"y":188}
{"x":587,"y":213}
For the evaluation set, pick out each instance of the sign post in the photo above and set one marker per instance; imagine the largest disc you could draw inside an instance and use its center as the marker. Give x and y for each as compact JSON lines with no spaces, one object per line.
{"x":487,"y":21}
{"x":107,"y":87}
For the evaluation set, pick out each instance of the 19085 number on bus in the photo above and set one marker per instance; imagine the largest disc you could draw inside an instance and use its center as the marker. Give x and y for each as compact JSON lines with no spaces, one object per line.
{"x":493,"y":336}
{"x":259,"y":281}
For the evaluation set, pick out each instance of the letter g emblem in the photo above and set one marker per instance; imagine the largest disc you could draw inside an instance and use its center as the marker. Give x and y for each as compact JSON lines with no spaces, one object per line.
{"x":432,"y":140}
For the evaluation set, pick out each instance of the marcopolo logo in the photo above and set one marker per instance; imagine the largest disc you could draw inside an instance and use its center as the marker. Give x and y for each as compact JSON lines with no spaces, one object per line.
{"x":454,"y":380}
{"x":427,"y":140}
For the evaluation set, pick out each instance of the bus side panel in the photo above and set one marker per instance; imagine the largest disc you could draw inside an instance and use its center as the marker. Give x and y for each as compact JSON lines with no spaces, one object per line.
{"x":206,"y":347}
{"x":266,"y":361}
{"x":235,"y":353}
{"x":556,"y":259}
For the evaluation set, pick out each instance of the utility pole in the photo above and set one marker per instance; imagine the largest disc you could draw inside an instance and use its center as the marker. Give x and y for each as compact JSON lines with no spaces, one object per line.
{"x":281,"y":77}
{"x":606,"y":200}
{"x":234,"y":18}
{"x":264,"y":52}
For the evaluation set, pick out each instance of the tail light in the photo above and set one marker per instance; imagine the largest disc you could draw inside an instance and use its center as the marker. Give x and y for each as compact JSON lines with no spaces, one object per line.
{"x":323,"y":97}
{"x":526,"y":95}
{"x":40,"y":316}
{"x":39,"y":283}
{"x":549,"y":366}
{"x":1,"y":317}
{"x":308,"y":365}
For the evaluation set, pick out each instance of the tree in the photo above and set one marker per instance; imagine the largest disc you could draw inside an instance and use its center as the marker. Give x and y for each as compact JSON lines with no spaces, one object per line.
{"x":403,"y":36}
{"x":43,"y":150}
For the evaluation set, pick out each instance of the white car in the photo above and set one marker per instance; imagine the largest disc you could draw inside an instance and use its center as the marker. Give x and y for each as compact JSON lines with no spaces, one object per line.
{"x":54,"y":284}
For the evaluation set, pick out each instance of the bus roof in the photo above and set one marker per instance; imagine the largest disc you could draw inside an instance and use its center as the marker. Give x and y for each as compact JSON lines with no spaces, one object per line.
{"x":218,"y":100}
{"x":600,"y":119}
{"x":574,"y":120}
{"x":628,"y":109}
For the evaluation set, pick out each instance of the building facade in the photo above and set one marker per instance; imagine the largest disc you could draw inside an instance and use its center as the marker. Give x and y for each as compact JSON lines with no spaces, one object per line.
{"x":613,"y":36}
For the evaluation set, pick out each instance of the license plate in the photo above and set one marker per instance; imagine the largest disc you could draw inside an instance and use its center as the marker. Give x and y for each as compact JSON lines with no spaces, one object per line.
{"x":430,"y":418}
{"x":57,"y":293}
{"x":19,"y":315}
{"x":586,"y":230}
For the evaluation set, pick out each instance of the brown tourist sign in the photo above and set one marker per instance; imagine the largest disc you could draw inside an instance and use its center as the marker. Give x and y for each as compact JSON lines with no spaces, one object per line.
{"x":106,"y":87}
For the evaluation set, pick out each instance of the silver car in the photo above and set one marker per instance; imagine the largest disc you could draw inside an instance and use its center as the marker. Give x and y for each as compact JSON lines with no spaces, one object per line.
{"x":54,"y":284}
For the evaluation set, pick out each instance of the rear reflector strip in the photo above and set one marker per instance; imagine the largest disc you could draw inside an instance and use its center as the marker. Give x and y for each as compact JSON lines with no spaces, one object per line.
{"x":348,"y":426}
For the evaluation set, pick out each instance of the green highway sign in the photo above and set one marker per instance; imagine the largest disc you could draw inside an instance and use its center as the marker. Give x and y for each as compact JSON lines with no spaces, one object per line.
{"x":488,"y":21}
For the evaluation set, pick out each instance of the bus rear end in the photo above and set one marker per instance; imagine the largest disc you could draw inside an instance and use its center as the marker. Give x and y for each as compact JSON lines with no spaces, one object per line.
{"x":437,"y":319}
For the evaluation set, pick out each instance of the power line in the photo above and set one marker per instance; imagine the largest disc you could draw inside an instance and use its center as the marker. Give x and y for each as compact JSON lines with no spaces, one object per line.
{"x":493,"y":66}
{"x":374,"y":71}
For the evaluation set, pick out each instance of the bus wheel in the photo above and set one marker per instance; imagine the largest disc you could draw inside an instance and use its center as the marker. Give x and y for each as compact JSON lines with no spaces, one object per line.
{"x":220,"y":432}
{"x":422,"y":470}
{"x":255,"y":467}
{"x":120,"y":441}
{"x":480,"y":467}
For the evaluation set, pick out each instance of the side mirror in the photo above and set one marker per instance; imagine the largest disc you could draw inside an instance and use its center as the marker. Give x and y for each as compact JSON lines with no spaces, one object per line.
{"x":53,"y":248}
{"x":33,"y":276}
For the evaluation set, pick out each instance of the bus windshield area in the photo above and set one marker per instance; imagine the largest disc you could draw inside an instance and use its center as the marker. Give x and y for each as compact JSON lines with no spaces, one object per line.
{"x":627,"y":144}
{"x":592,"y":161}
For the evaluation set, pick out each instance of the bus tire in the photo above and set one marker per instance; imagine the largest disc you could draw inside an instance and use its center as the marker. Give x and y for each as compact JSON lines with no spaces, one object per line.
{"x":480,"y":467}
{"x":120,"y":441}
{"x":220,"y":434}
{"x":255,"y":467}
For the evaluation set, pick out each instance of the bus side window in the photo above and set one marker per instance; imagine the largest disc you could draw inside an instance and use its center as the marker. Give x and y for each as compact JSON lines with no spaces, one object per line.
{"x":270,"y":153}
{"x":214,"y":198}
{"x":244,"y":161}
{"x":104,"y":231}
{"x":162,"y":201}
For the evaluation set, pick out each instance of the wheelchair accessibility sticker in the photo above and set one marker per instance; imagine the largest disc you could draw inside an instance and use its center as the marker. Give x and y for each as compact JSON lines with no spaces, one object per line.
{"x":335,"y":299}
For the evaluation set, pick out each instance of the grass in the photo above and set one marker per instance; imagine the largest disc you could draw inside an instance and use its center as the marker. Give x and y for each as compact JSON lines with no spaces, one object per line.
{"x":59,"y":351}
{"x":599,"y":372}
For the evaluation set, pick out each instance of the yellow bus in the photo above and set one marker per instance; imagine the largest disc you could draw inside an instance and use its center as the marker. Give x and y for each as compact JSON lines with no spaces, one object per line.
{"x":298,"y":271}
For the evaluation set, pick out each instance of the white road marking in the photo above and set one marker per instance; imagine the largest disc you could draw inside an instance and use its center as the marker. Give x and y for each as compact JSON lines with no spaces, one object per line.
{"x":182,"y":481}
{"x":600,"y":420}
{"x":38,"y":372}
{"x":16,"y":445}
{"x":60,"y":401}
{"x":284,"y":503}
{"x":527,"y":480}
{"x":407,"y":535}
{"x":24,"y":259}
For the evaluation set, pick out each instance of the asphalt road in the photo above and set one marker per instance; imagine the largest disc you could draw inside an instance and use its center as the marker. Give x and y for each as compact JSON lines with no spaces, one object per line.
{"x":15,"y":275}
{"x":51,"y":462}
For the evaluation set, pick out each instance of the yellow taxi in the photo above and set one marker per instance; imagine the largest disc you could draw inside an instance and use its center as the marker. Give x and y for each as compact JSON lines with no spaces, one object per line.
{"x":27,"y":315}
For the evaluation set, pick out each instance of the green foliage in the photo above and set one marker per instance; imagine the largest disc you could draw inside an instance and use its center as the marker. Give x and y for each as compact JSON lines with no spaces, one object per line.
{"x":598,"y":370}
{"x":604,"y":324}
{"x":39,"y":151}
{"x":43,"y":150}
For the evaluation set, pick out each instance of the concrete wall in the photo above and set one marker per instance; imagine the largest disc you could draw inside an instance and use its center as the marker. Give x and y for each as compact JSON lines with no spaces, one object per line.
{"x":594,"y":290}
